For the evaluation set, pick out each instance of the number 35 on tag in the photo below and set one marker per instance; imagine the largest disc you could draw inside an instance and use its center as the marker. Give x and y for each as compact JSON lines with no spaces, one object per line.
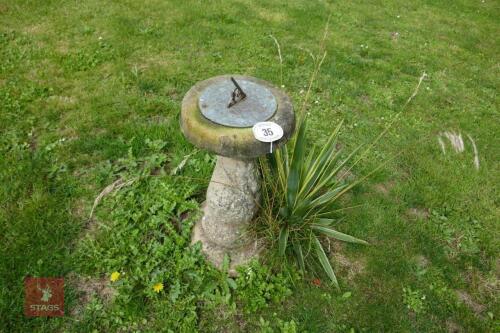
{"x":267,"y":131}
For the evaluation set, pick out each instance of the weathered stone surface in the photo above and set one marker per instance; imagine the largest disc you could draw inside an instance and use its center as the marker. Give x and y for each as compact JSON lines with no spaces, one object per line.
{"x":232,"y":202}
{"x":215,"y":254}
{"x":233,"y":193}
{"x":232,"y":141}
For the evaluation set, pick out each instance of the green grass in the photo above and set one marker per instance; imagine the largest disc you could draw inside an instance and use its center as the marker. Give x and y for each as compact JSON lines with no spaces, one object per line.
{"x":85,"y":86}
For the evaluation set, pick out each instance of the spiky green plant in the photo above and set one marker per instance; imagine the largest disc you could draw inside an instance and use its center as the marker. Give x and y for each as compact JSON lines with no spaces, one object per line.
{"x":302,"y":187}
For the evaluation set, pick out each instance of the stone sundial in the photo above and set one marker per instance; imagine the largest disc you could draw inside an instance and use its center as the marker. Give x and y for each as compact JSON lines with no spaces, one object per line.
{"x":218,"y":115}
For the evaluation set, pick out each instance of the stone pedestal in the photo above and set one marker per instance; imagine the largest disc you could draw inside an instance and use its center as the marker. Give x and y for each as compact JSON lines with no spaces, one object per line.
{"x":232,"y":202}
{"x":233,"y":193}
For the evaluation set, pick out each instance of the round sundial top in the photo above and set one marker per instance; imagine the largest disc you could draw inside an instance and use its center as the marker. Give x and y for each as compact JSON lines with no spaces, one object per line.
{"x":257,"y":103}
{"x":218,"y":114}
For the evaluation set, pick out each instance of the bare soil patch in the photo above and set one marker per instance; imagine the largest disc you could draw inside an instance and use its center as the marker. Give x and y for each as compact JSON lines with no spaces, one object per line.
{"x":417,"y":213}
{"x":88,"y":287}
{"x":467,"y":299}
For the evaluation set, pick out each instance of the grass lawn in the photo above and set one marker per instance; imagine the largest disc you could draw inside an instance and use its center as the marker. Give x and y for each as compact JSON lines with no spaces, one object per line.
{"x":90,"y":92}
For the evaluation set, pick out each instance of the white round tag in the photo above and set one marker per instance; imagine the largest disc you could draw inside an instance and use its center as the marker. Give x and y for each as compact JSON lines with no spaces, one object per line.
{"x":267,"y":131}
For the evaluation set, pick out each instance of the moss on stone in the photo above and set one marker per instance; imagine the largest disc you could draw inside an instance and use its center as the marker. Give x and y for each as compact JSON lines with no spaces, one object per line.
{"x":232,"y":141}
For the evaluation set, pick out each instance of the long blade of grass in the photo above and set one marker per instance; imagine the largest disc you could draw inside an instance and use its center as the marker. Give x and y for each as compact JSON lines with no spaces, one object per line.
{"x":325,"y":263}
{"x":283,"y":239}
{"x":285,"y":158}
{"x":330,"y":213}
{"x":325,"y":221}
{"x":296,"y":165}
{"x":337,"y":235}
{"x":299,"y":255}
{"x":390,"y":123}
{"x":282,"y":166}
{"x":306,"y":169}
